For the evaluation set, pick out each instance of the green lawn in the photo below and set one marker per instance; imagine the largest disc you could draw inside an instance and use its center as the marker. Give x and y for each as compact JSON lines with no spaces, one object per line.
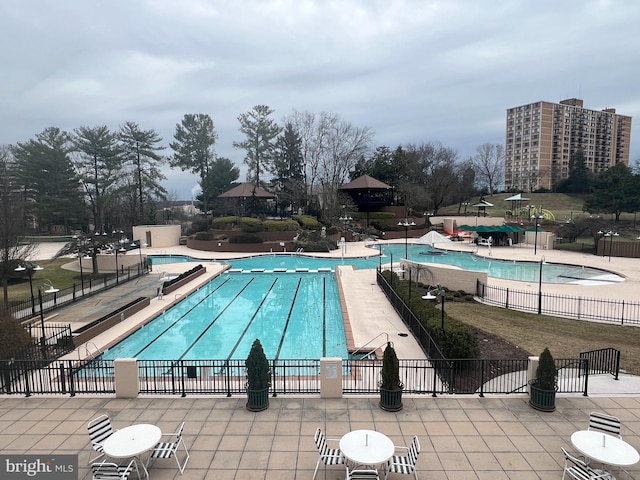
{"x":566,"y":338}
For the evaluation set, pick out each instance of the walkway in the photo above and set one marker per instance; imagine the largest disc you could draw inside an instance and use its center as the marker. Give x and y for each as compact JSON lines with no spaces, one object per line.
{"x":462,"y":438}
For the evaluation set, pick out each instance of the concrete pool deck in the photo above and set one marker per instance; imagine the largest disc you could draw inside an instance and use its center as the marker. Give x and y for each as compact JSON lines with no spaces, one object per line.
{"x":364,"y":301}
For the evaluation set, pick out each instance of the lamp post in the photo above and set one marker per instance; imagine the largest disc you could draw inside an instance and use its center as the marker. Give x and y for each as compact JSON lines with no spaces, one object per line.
{"x":535,"y":218}
{"x":542,"y":262}
{"x":30,"y":269}
{"x":345,"y":220}
{"x":442,"y":296}
{"x":406,"y":226}
{"x":50,"y":289}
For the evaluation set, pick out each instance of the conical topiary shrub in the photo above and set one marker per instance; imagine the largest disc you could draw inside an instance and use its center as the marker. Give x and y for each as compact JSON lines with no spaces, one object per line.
{"x":258,"y":378}
{"x":390,"y":385}
{"x":542,"y":389}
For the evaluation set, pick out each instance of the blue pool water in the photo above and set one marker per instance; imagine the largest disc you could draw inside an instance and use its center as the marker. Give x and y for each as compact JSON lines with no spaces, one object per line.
{"x":507,"y":269}
{"x":295,"y":316}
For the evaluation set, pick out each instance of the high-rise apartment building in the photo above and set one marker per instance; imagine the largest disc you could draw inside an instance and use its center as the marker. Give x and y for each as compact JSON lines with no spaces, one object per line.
{"x":542,"y":136}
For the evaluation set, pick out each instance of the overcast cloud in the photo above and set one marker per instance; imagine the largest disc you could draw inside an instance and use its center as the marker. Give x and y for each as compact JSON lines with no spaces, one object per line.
{"x":412,"y":71}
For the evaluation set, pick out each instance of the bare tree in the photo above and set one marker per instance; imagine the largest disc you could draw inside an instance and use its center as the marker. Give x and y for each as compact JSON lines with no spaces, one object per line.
{"x":330,"y":148}
{"x":489,"y":164}
{"x":435,"y":171}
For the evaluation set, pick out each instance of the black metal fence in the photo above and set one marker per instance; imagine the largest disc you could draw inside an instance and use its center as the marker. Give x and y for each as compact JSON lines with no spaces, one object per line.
{"x":582,"y":308}
{"x":45,"y":302}
{"x":228,"y":377}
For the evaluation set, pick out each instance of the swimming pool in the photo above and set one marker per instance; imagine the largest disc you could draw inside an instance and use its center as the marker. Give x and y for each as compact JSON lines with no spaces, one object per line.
{"x":296,"y":315}
{"x":506,"y":269}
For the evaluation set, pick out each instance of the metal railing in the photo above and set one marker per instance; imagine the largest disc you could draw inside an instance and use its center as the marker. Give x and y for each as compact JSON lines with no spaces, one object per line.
{"x":581,"y":308}
{"x":604,"y":360}
{"x":50,"y":301}
{"x":228,"y":377}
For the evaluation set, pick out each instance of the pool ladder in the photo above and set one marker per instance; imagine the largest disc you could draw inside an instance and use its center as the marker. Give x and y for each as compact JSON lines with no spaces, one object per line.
{"x":368,"y":353}
{"x":88,"y":353}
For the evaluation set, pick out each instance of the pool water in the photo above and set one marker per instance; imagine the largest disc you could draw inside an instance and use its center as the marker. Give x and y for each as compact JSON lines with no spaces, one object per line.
{"x":295,"y":316}
{"x":394,"y":252}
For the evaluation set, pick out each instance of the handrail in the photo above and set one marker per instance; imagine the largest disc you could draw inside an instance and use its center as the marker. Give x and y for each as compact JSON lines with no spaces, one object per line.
{"x":361,"y":348}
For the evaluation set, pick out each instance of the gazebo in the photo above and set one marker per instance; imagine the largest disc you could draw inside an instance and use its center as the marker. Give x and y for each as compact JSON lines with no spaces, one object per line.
{"x":368,"y":193}
{"x":247,"y":192}
{"x":482,"y":206}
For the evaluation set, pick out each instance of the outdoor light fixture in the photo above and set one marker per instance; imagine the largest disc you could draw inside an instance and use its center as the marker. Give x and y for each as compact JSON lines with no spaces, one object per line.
{"x":406,"y":226}
{"x":542,"y":262}
{"x":535,"y":218}
{"x":345,"y":219}
{"x":610,"y":234}
{"x":30,"y":269}
{"x":443,"y":293}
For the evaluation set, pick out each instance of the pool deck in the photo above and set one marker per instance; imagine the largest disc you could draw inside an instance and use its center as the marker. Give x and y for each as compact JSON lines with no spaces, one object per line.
{"x":462,"y":437}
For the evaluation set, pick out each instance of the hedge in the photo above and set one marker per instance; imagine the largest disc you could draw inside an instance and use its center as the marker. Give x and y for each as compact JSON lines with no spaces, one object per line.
{"x":281,"y":225}
{"x":457,"y":341}
{"x":183,"y":275}
{"x":307,"y":221}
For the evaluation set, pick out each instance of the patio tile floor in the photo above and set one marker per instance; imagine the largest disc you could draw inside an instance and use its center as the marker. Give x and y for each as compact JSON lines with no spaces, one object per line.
{"x":497,"y":437}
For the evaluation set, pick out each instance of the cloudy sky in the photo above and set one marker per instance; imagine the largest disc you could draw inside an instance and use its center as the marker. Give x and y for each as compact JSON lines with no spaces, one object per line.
{"x":412,"y":71}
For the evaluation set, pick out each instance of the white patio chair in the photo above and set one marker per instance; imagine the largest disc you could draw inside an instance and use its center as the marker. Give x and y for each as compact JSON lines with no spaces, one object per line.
{"x":169,"y":449}
{"x":405,"y":464}
{"x":362,"y":474}
{"x":328,"y":456}
{"x":605,"y":423}
{"x":113,"y":471}
{"x":99,"y":430}
{"x":579,"y":470}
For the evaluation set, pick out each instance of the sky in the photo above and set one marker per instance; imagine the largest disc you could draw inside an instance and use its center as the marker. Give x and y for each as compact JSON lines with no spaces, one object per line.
{"x":411,"y":71}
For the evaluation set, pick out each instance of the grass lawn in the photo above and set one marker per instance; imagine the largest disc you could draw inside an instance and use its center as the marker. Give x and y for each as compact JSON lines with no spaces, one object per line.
{"x":565,"y":338}
{"x":53,"y":271}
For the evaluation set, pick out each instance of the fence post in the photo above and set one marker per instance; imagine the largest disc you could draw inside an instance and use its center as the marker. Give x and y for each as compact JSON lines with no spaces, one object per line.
{"x":586,"y":378}
{"x":482,"y":365}
{"x":63,"y":378}
{"x":506,"y":303}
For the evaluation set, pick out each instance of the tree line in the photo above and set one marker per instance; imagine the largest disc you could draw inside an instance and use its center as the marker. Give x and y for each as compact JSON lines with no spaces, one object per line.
{"x":95,"y":178}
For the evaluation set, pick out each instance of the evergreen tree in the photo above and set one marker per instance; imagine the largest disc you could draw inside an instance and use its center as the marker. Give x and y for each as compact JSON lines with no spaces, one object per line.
{"x":195,"y":138}
{"x":288,"y":170}
{"x":579,"y":179}
{"x":140,"y":149}
{"x":614,"y":191}
{"x":99,"y":165}
{"x":260,"y":133}
{"x":51,"y":185}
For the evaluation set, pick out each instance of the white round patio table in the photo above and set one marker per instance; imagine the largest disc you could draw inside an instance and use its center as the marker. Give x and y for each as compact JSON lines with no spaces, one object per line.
{"x":132,"y":441}
{"x":366,"y":447}
{"x":605,"y":448}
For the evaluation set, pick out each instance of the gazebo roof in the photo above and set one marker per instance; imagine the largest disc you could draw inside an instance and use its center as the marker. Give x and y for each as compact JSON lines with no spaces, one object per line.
{"x":365,"y":182}
{"x":245,"y":190}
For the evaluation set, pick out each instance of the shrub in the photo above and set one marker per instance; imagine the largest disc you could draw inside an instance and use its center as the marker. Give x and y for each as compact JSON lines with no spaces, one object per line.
{"x":245,"y":238}
{"x":14,"y":336}
{"x":468,"y":298}
{"x":546,"y":373}
{"x":224,"y":223}
{"x":182,"y":276}
{"x":203,"y":236}
{"x":281,"y":225}
{"x":258,"y":370}
{"x":251,"y":225}
{"x":307,"y":221}
{"x":456,"y":341}
{"x":390,"y":369}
